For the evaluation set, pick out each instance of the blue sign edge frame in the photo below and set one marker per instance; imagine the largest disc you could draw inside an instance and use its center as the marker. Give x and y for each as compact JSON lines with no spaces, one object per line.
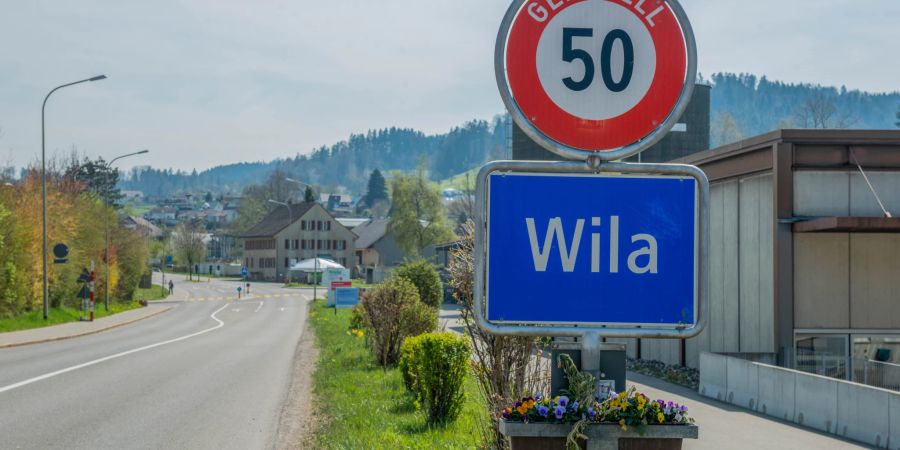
{"x":553,"y":329}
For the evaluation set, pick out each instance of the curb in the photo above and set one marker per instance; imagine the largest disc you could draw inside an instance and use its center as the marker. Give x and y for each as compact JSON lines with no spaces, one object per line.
{"x":88,"y":333}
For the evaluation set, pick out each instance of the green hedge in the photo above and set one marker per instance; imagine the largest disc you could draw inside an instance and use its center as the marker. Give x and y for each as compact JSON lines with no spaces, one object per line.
{"x":434,"y":369}
{"x":426,"y":279}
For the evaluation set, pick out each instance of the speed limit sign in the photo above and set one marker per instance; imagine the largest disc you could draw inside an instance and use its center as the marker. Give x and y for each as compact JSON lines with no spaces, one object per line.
{"x":607,"y":78}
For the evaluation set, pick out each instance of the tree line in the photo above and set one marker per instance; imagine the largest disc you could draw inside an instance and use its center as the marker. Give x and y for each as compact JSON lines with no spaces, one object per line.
{"x":742,"y":105}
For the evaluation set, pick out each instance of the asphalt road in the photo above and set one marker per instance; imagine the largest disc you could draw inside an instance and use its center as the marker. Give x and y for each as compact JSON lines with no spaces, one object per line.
{"x":211,"y":373}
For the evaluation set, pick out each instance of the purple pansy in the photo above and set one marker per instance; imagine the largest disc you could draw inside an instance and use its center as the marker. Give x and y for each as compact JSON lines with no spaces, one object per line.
{"x":563,"y":401}
{"x":559,"y":411}
{"x":543,"y":411}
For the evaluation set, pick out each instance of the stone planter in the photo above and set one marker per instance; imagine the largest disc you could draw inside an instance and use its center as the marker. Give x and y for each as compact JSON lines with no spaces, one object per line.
{"x":546,"y":436}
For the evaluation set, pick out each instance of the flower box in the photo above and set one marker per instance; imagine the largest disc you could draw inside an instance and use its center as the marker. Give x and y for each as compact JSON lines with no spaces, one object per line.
{"x":548,"y":436}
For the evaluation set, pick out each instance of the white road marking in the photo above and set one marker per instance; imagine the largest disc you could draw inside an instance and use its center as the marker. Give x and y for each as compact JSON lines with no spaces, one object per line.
{"x":236,"y":310}
{"x":258,"y":307}
{"x":282,"y":309}
{"x":117,"y":355}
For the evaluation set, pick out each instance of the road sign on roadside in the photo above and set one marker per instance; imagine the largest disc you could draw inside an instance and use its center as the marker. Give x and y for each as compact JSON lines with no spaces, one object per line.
{"x":346,"y":297}
{"x":244,"y":272}
{"x":622,"y":253}
{"x":604,"y":78}
{"x":60,"y":253}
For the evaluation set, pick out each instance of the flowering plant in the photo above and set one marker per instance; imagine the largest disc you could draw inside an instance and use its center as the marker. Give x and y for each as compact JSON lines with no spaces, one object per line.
{"x":579,"y":407}
{"x":628,"y":409}
{"x":540,"y":409}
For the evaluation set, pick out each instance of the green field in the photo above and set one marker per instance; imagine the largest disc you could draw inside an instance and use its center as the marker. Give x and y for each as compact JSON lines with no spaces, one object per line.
{"x":459,"y":181}
{"x":365,"y":406}
{"x":156,"y":292}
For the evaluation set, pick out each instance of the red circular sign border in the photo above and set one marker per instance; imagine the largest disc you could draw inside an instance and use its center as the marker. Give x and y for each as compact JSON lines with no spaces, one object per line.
{"x":584,"y":134}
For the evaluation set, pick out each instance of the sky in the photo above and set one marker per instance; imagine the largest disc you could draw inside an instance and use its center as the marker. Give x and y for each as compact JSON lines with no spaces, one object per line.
{"x":202,"y":83}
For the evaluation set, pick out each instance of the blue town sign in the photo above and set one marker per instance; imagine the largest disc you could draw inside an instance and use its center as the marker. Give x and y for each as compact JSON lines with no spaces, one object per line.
{"x":592,"y":250}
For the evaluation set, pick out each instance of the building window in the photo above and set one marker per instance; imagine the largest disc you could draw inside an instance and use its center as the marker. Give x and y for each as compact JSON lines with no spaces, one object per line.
{"x":327,"y":245}
{"x":287,"y":263}
{"x":319,"y":244}
{"x":824,"y":355}
{"x":287,"y":244}
{"x":303,"y":225}
{"x":303,"y":244}
{"x":328,"y":226}
{"x":319,"y":225}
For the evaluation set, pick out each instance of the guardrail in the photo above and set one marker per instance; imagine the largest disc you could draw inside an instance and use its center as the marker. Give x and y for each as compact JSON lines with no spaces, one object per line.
{"x":867,"y":414}
{"x":876,"y":373}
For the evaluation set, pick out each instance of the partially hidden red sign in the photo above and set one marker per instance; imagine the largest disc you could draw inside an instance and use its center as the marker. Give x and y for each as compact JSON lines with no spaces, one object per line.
{"x":596,"y":75}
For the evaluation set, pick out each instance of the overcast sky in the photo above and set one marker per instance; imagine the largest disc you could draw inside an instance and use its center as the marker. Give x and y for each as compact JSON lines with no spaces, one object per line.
{"x":208,"y":82}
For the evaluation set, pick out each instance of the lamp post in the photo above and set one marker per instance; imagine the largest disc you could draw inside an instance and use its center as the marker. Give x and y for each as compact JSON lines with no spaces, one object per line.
{"x":315,"y":244}
{"x":44,"y":186}
{"x":291,"y":218}
{"x":106,"y":202}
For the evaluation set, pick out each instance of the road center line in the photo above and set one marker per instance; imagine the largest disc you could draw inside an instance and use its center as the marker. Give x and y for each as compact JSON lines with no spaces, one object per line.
{"x":117,"y":355}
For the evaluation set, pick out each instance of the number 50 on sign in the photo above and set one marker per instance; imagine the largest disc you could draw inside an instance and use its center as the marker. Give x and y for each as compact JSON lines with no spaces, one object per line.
{"x":596,"y":77}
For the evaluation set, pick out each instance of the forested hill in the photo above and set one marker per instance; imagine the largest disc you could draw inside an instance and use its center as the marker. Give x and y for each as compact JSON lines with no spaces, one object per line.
{"x":759,"y":105}
{"x":742,"y":106}
{"x":348,"y":163}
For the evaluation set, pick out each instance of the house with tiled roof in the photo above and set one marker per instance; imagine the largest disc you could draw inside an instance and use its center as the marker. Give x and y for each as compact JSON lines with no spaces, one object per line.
{"x":293,"y":233}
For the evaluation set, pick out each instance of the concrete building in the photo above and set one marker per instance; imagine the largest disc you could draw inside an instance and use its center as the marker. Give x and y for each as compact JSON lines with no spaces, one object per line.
{"x":283,"y":238}
{"x":805,"y":265}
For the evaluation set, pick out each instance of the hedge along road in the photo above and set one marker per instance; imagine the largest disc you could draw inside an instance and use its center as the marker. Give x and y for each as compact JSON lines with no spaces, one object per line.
{"x":207,"y":374}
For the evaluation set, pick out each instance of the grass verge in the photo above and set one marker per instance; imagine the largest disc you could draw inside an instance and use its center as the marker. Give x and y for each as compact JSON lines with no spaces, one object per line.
{"x":366,"y":406}
{"x":156,"y":292}
{"x":57,"y":316}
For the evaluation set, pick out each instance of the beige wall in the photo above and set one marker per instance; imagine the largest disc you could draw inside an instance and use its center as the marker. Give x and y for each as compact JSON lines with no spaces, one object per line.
{"x":875,"y":281}
{"x":846,"y":280}
{"x":843,"y":193}
{"x":741,"y":289}
{"x":295,"y":231}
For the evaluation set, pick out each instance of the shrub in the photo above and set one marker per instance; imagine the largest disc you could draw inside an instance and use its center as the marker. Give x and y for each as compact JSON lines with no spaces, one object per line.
{"x":409,"y":351}
{"x":436,"y":366}
{"x":392,"y":313}
{"x":426,"y":279}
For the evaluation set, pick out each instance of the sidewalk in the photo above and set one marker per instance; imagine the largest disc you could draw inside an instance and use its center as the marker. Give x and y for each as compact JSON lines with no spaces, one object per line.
{"x":76,"y":329}
{"x":726,"y":426}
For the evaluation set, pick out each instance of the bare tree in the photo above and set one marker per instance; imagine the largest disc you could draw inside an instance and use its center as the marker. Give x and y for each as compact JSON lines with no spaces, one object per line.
{"x":506,"y":368}
{"x":725,"y":129}
{"x":188,"y":243}
{"x":818,"y":111}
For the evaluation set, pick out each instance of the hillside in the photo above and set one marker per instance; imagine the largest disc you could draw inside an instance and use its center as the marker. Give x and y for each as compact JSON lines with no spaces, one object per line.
{"x":742,"y":106}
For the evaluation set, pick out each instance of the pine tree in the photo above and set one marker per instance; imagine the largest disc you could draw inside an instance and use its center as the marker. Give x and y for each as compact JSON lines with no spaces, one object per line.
{"x":308,"y":195}
{"x":377,"y":190}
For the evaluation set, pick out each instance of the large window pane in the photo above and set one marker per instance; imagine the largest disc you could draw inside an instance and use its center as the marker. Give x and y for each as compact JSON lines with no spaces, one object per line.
{"x":876,"y":360}
{"x":823,"y":355}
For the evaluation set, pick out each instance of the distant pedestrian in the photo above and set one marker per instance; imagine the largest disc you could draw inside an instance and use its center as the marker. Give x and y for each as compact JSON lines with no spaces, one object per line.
{"x":171,"y":287}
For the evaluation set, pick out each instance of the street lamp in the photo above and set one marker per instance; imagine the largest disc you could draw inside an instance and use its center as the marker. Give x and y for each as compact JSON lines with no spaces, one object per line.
{"x":315,"y":244}
{"x":44,"y":186}
{"x":106,"y":202}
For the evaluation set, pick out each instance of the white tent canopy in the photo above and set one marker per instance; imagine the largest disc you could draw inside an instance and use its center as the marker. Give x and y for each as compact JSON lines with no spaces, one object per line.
{"x":312,"y":264}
